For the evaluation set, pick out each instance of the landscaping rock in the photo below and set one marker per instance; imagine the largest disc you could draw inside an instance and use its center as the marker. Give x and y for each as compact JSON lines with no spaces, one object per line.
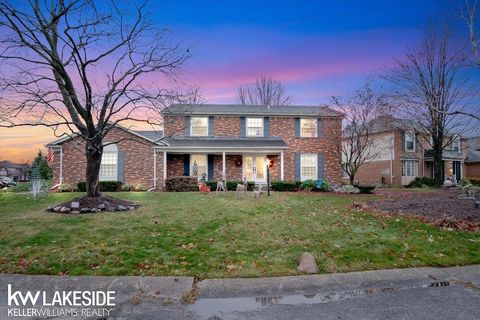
{"x":95,"y":210}
{"x":57,"y":209}
{"x":101,"y":206}
{"x":111,"y":209}
{"x":65,"y":210}
{"x":131,"y":208}
{"x":121,"y":208}
{"x":75,"y":212}
{"x":85,"y":210}
{"x":50,"y":208}
{"x":75,"y":205}
{"x":307,"y":263}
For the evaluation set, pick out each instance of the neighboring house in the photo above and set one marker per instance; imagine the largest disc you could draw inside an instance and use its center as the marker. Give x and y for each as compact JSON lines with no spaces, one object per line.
{"x":472,"y":163}
{"x":401,"y":155}
{"x":15,"y":171}
{"x":215,"y":140}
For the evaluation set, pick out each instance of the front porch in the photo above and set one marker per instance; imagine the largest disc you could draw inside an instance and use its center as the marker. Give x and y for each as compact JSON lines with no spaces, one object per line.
{"x":214,"y":158}
{"x":452,"y":165}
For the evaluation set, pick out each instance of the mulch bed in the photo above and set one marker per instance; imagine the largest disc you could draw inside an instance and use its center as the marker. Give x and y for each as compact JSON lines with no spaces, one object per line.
{"x":441,"y":208}
{"x":94,"y":204}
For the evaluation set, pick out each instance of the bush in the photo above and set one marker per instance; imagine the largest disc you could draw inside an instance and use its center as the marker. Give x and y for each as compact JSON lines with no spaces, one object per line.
{"x":140,"y":187}
{"x":105,"y":186}
{"x":308,"y":185}
{"x":348,"y":188}
{"x":127,"y":187}
{"x":181,"y":184}
{"x":365,"y":189}
{"x":324,"y":187}
{"x":475,"y":182}
{"x":421,"y":182}
{"x":285,"y":185}
{"x":231,"y":185}
{"x":65,"y":187}
{"x":26,"y":186}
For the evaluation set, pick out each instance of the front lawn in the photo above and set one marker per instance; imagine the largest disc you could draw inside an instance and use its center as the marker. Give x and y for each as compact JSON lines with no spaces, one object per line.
{"x":219,"y":236}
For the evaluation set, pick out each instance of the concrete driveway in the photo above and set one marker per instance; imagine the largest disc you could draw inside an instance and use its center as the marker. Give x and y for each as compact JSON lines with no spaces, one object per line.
{"x":418,"y":293}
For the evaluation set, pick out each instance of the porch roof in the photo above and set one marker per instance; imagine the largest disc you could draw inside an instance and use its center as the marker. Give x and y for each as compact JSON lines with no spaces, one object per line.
{"x":222,"y":143}
{"x":446,"y":155}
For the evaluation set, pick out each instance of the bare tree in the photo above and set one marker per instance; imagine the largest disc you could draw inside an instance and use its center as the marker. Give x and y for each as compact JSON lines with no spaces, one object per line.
{"x":81,"y":67}
{"x":431,"y":86}
{"x":361,"y":110}
{"x":265,"y":92}
{"x":469,"y":16}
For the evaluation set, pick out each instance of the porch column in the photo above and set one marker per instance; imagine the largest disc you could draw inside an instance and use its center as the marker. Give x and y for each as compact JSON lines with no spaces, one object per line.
{"x":281,"y":166}
{"x":164,"y":167}
{"x":223,"y":164}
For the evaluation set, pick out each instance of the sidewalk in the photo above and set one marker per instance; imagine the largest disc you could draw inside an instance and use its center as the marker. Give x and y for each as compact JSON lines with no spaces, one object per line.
{"x":276,"y":298}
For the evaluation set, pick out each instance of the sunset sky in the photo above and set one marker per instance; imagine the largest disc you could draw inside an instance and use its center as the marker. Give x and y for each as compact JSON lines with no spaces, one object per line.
{"x":316,"y":50}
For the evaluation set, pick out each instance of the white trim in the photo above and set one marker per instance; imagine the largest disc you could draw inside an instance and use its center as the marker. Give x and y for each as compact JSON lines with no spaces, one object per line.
{"x":254,"y":163}
{"x":315,"y":156}
{"x":282,"y":177}
{"x":154,"y":169}
{"x":164,"y":166}
{"x":61,"y":165}
{"x":223,"y":163}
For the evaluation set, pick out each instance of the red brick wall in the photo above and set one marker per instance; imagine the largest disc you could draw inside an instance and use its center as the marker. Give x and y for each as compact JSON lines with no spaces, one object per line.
{"x":227,"y":126}
{"x":472,"y":170}
{"x":138,"y":157}
{"x":284,"y":127}
{"x":373,"y":172}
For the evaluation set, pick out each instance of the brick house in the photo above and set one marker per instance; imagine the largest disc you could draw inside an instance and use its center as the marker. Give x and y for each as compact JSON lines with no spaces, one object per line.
{"x":401,"y":155}
{"x":472,"y":163}
{"x":211,"y":140}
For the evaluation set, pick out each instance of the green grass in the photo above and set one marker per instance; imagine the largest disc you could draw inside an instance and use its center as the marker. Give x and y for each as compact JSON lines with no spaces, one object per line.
{"x":219,"y":236}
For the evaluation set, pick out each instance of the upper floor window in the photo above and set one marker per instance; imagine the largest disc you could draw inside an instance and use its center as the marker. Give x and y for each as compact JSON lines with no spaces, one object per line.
{"x":109,"y":164}
{"x":199,"y":126}
{"x":308,"y":167}
{"x":409,"y":141}
{"x":308,"y":128}
{"x":455,"y":144}
{"x":254,"y":127}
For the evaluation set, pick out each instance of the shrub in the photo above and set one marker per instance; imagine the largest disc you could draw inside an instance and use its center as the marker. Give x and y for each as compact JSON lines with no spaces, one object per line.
{"x":181,"y":184}
{"x":285,"y":185}
{"x":348,"y":188}
{"x":365,"y":189}
{"x":231,"y":185}
{"x":324,"y":187}
{"x":26,"y":186}
{"x":475,"y":182}
{"x":65,"y":187}
{"x":308,"y":185}
{"x":127,"y":187}
{"x":421,"y":182}
{"x":105,"y":186}
{"x":140,"y":187}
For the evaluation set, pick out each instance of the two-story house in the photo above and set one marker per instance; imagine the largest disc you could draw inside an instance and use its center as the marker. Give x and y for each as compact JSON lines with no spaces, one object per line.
{"x":400,"y":154}
{"x":237,"y":141}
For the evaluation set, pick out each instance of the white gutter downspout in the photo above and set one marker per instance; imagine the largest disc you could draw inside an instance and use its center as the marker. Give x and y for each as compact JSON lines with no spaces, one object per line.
{"x":154,"y":171}
{"x":60,"y":171}
{"x":392,"y":156}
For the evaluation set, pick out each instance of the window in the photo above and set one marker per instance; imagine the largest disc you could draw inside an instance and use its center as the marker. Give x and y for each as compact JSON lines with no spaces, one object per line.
{"x":199,"y":126}
{"x":455,"y":144}
{"x":109,"y":164}
{"x":200,"y":161}
{"x":254,"y":127}
{"x":409,"y":141}
{"x":409,"y":168}
{"x":308,"y":128}
{"x":308,"y":167}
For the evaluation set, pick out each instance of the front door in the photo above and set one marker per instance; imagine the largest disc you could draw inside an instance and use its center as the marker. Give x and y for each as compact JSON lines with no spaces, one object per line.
{"x":254,"y":168}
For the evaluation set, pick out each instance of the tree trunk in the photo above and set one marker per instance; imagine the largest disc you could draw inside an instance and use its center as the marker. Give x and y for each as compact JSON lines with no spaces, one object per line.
{"x":437,"y":165}
{"x":94,"y":152}
{"x":352,"y":179}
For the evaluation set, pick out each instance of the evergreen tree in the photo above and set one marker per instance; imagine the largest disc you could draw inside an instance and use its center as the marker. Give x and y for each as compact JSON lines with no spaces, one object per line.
{"x":40,"y":168}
